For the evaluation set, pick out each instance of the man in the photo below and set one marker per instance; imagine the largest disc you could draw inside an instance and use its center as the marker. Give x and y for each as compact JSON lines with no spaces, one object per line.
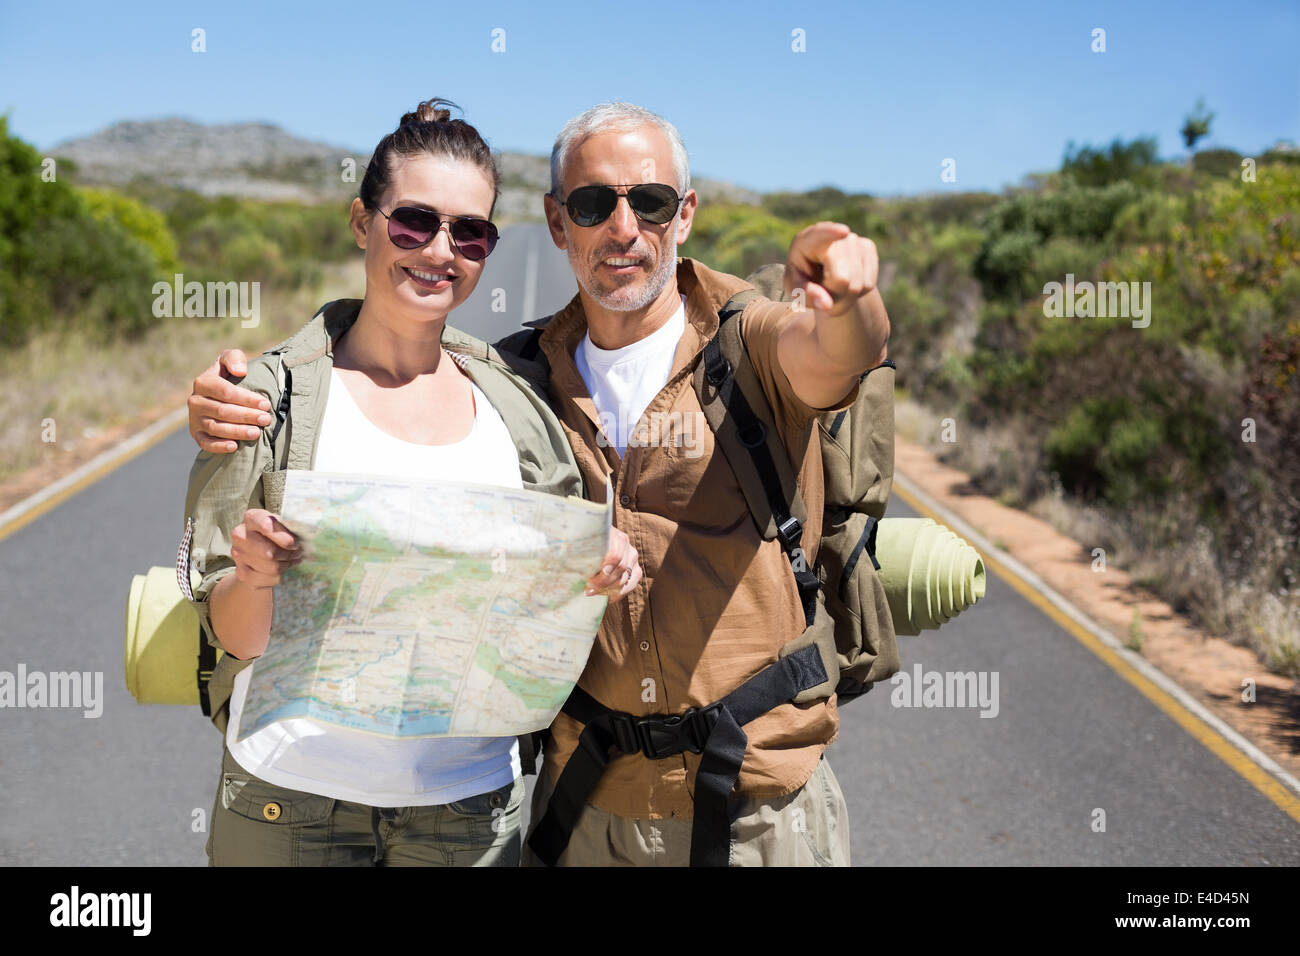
{"x":717,"y":603}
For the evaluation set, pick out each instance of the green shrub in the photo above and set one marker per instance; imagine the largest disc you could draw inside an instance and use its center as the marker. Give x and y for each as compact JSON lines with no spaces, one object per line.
{"x":1218,"y":162}
{"x":1004,"y":262}
{"x":147,"y":225}
{"x":1149,"y":218}
{"x":956,"y":244}
{"x":59,"y":263}
{"x":1090,"y":166}
{"x":1286,"y":157}
{"x":738,"y":239}
{"x":807,"y":205}
{"x":252,"y":257}
{"x":1062,"y":255}
{"x":1105,"y":446}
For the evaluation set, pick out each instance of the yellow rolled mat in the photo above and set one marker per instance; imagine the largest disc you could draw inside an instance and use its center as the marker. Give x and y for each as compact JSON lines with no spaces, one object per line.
{"x":162,"y":641}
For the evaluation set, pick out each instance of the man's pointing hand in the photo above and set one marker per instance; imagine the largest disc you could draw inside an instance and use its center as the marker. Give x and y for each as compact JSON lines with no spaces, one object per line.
{"x":833,"y":266}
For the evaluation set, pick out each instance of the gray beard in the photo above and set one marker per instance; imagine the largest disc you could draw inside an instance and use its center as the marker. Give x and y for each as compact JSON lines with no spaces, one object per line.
{"x":616,"y":301}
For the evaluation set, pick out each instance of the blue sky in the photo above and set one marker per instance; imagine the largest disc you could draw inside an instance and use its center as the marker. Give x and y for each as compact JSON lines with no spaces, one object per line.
{"x":883,"y":93}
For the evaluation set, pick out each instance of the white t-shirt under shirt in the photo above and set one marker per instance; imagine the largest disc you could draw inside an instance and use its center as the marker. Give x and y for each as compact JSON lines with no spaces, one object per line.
{"x":315,"y":757}
{"x":623,"y":382}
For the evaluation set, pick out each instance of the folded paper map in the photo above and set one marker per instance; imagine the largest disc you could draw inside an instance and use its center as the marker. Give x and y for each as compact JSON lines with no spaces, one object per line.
{"x":429,"y":608}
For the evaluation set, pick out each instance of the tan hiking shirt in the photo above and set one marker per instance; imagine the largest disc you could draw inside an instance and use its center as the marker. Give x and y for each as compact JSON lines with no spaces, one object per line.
{"x":717,"y":602}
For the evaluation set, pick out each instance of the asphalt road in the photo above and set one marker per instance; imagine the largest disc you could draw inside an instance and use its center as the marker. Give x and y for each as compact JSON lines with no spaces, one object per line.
{"x":525,"y":277}
{"x":923,"y":786}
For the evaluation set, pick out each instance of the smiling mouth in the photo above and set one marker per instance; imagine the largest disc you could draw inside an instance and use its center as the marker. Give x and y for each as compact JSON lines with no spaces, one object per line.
{"x":620,"y":262}
{"x":438,"y":280}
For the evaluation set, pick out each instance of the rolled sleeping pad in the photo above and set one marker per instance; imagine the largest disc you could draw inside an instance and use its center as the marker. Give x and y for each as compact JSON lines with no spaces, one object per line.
{"x":930,"y":575}
{"x":162,"y":641}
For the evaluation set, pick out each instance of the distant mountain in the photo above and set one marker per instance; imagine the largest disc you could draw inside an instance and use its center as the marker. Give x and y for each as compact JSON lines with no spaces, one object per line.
{"x":257,"y":160}
{"x":262,"y":161}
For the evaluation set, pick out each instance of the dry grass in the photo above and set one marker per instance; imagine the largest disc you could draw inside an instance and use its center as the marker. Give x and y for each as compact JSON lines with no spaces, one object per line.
{"x":68,"y":386}
{"x":1242,"y":607}
{"x":993,"y":457}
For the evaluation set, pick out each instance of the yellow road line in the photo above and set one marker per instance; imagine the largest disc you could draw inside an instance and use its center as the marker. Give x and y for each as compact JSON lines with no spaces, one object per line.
{"x":27,"y":511}
{"x":1210,"y":738}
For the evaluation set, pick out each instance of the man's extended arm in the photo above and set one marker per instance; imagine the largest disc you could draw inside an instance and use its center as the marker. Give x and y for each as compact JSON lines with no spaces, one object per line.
{"x":840,"y":328}
{"x":223,"y":413}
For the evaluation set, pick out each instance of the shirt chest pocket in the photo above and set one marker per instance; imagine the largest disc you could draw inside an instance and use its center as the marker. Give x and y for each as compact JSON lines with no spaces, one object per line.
{"x":686,"y":473}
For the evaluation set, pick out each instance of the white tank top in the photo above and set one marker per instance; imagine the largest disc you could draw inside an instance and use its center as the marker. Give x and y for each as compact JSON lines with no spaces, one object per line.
{"x":303,"y":754}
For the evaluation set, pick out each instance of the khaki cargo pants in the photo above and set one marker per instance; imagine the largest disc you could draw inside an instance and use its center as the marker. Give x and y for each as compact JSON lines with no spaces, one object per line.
{"x":809,"y":827}
{"x":255,"y":823}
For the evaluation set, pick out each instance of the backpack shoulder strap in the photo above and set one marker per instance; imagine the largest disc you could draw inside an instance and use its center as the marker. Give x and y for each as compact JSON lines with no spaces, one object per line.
{"x":741,"y":418}
{"x":522,"y":352}
{"x":526,"y":343}
{"x":532,"y":346}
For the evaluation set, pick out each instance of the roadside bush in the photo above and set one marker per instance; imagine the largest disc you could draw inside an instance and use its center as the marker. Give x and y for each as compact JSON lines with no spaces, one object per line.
{"x":738,"y":239}
{"x":59,"y":263}
{"x":1101,"y":166}
{"x":1218,"y":162}
{"x":139,"y":221}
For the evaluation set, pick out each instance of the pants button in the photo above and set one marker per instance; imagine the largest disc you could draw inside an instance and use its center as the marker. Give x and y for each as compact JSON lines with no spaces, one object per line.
{"x":272,"y":811}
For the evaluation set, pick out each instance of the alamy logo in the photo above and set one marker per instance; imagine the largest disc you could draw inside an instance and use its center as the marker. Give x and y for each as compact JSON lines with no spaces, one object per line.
{"x":75,"y":689}
{"x":75,"y":908}
{"x":1123,"y":300}
{"x":208,"y":300}
{"x":923,"y":688}
{"x":675,"y":429}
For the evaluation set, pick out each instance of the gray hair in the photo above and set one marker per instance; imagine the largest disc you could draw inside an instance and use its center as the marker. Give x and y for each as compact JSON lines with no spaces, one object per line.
{"x":616,"y":118}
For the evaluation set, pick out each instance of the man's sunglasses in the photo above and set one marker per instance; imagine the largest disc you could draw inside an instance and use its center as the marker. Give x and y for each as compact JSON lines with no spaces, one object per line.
{"x":410,"y":227}
{"x":651,"y":202}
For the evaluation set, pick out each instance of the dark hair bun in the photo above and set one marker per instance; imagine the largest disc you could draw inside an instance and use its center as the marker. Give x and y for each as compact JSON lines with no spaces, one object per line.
{"x":428,"y":130}
{"x":430,"y":111}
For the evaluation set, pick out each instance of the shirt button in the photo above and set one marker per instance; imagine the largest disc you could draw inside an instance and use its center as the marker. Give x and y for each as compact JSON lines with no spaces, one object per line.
{"x":625,"y":500}
{"x":645,"y":645}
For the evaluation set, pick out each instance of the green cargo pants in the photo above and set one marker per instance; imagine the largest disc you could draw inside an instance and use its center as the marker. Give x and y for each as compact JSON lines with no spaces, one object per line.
{"x":809,"y":827}
{"x":255,"y":823}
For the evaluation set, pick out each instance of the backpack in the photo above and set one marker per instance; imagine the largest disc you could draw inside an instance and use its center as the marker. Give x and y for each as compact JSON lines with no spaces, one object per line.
{"x":162,"y":627}
{"x":848,"y":642}
{"x":847,"y":614}
{"x":161,"y":624}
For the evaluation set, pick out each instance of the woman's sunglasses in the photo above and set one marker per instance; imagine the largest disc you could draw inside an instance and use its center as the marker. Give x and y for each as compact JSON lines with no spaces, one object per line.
{"x":651,"y":202}
{"x":410,"y":227}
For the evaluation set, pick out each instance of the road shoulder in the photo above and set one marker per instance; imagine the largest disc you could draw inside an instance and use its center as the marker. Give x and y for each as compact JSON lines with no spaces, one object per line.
{"x":1209,"y":668}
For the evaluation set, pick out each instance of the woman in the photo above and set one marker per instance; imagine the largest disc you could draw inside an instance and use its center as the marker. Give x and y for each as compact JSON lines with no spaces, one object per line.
{"x":378,"y":387}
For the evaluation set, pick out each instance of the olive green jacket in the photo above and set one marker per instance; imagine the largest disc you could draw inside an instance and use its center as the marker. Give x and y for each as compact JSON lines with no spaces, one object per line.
{"x":223,"y":486}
